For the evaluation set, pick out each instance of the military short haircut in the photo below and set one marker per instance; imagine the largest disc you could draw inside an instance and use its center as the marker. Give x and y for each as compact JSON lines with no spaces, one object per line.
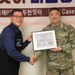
{"x":54,"y":8}
{"x":15,"y":10}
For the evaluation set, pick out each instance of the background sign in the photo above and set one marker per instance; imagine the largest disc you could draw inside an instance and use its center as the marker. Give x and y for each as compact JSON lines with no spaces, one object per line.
{"x":35,"y":18}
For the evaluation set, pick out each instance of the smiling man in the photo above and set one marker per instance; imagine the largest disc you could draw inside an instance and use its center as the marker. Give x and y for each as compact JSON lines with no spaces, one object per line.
{"x":59,"y":59}
{"x":11,"y":44}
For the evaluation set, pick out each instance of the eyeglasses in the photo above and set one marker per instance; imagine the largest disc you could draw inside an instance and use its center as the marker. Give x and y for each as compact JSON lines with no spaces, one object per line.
{"x":16,"y":16}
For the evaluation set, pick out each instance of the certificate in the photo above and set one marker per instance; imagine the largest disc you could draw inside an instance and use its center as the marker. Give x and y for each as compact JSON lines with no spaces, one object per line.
{"x":43,"y":40}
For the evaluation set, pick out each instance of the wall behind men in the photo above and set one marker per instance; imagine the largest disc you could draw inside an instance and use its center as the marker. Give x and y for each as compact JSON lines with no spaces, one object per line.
{"x":35,"y":18}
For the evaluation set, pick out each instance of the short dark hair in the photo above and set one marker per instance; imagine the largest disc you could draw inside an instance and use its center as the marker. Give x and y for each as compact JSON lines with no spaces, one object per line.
{"x":54,"y":8}
{"x":16,"y":10}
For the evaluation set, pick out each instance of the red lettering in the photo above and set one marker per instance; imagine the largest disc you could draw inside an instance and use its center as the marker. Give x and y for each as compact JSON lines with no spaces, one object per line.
{"x":16,"y":1}
{"x":5,"y":1}
{"x":2,"y":1}
{"x":23,"y":1}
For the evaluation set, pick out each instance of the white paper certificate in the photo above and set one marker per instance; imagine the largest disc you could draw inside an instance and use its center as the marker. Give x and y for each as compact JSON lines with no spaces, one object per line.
{"x":44,"y":40}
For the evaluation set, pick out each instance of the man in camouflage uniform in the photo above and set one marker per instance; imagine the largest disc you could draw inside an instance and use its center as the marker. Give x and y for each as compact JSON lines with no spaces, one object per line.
{"x":59,"y":60}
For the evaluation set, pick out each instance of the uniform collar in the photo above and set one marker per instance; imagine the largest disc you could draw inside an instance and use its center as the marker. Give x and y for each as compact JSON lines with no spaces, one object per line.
{"x":61,"y":25}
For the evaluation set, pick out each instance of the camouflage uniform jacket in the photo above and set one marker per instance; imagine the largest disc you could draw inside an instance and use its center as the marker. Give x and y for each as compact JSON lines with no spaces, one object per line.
{"x":65,"y":36}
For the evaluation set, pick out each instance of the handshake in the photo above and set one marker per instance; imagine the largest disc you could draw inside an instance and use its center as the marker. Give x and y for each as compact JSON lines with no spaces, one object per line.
{"x":32,"y":60}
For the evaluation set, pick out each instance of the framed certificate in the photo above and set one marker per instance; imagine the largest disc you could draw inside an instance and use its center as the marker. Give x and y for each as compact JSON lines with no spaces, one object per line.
{"x":44,"y":40}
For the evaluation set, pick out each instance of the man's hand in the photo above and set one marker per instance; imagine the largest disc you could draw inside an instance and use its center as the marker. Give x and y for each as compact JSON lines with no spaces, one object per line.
{"x":29,"y":38}
{"x":56,"y":49}
{"x":32,"y":60}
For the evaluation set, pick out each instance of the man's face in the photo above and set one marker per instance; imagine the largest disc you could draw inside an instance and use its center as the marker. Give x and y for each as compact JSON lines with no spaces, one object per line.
{"x":54,"y":16}
{"x":17,"y":18}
